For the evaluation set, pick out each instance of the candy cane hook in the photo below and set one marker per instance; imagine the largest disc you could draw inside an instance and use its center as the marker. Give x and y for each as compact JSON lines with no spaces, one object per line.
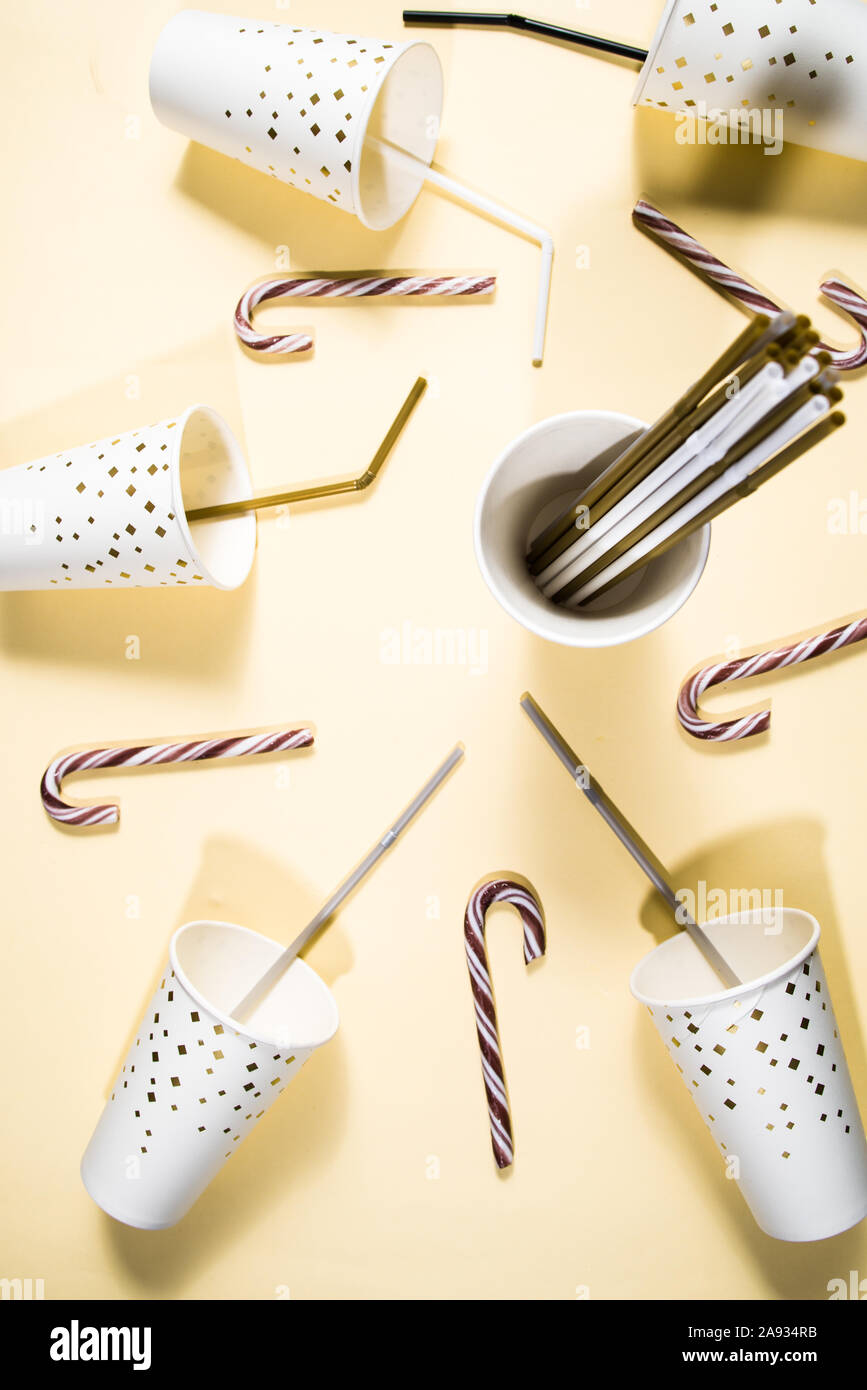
{"x":745,"y":726}
{"x":343,"y":287}
{"x":497,"y":890}
{"x":651,"y":220}
{"x":149,"y":755}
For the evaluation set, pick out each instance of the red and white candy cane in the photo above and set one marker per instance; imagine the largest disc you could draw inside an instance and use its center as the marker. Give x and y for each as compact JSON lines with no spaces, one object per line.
{"x":718,"y":273}
{"x":356,"y":287}
{"x":728,"y":730}
{"x":150,"y":755}
{"x":497,"y":890}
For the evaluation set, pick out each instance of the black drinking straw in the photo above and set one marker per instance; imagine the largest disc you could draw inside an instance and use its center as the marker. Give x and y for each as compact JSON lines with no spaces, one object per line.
{"x":528,"y":26}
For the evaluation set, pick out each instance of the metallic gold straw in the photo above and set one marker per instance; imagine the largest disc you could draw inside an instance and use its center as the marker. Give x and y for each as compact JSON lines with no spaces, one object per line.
{"x":755,"y":336}
{"x":769,"y":422}
{"x":792,"y":451}
{"x":306,"y":494}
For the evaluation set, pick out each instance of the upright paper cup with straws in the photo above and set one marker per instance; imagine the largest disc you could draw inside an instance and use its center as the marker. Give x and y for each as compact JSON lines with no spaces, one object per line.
{"x":535,"y":478}
{"x":195,"y":1081}
{"x":112,"y":514}
{"x":298,"y":104}
{"x":765,"y":1065}
{"x":804,"y":58}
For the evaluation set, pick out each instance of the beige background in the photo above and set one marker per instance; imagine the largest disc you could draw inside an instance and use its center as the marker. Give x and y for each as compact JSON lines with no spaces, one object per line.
{"x":125,"y":251}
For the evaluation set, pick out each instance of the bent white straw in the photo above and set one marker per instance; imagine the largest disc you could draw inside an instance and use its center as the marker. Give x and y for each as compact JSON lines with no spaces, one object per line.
{"x":491,"y":209}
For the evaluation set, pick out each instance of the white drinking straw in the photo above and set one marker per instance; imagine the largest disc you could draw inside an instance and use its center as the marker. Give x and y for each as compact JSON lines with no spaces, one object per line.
{"x":738,"y":473}
{"x":700,"y":439}
{"x":673,"y":481}
{"x":495,"y":210}
{"x":254,"y":996}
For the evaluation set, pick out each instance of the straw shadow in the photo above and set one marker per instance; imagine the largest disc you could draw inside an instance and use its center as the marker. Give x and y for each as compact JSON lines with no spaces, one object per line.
{"x":744,"y":177}
{"x":275,"y":214}
{"x":599,"y":55}
{"x":236,"y":882}
{"x":786,"y":855}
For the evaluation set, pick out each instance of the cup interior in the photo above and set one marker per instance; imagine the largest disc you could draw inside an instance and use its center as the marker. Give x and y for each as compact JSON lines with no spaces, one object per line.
{"x":212,"y":469}
{"x":760,"y":945}
{"x":218,"y":962}
{"x":406,"y":113}
{"x":535,"y":479}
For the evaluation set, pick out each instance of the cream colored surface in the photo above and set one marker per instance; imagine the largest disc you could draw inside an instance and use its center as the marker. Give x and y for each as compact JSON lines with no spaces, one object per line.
{"x":124,"y":258}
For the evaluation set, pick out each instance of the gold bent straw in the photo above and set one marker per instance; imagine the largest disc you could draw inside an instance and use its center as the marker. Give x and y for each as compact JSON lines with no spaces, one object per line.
{"x":305,"y":494}
{"x":627,"y":835}
{"x":792,"y":451}
{"x":754,"y":336}
{"x":770,"y":421}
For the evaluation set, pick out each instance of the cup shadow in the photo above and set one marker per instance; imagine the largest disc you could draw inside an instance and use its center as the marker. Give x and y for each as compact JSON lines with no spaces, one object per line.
{"x":276,"y":215}
{"x":743,"y":177}
{"x":786,"y":855}
{"x":236,"y":882}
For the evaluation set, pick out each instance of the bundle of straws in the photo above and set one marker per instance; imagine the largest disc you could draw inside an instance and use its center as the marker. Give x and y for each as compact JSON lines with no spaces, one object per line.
{"x":762,"y":404}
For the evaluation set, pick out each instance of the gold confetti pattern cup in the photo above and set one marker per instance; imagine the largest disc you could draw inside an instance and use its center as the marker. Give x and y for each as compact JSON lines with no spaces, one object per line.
{"x":298,"y":104}
{"x":194,"y":1082}
{"x":112,"y":514}
{"x":777,"y":70}
{"x":765,"y":1065}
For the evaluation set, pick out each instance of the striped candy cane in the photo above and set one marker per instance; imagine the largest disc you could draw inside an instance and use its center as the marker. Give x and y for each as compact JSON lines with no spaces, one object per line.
{"x":149,"y":755}
{"x":356,"y":287}
{"x":718,"y":273}
{"x":728,"y":730}
{"x":497,"y":890}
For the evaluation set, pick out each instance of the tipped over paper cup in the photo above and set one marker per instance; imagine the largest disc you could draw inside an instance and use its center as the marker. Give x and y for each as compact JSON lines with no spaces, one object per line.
{"x":764,"y":72}
{"x":298,"y":105}
{"x":765,"y":1065}
{"x":195,"y":1082}
{"x":112,"y":514}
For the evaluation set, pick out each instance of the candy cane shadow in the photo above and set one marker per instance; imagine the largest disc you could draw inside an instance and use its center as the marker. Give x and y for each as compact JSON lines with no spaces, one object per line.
{"x":736,"y":699}
{"x":236,"y":882}
{"x":109,"y":791}
{"x":199,"y":634}
{"x":294,"y":315}
{"x":790,"y":855}
{"x":732,"y":177}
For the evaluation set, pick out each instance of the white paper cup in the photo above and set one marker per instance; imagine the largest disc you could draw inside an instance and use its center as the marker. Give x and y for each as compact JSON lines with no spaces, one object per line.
{"x":535,"y":479}
{"x":112,"y":514}
{"x":765,"y":1065}
{"x":800,"y":57}
{"x":297,"y":104}
{"x":195,"y":1082}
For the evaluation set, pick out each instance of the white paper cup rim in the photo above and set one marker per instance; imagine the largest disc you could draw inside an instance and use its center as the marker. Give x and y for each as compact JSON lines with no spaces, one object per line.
{"x":226,"y":1019}
{"x":245,"y":489}
{"x":661,"y":30}
{"x":586,"y":635}
{"x":737,"y":991}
